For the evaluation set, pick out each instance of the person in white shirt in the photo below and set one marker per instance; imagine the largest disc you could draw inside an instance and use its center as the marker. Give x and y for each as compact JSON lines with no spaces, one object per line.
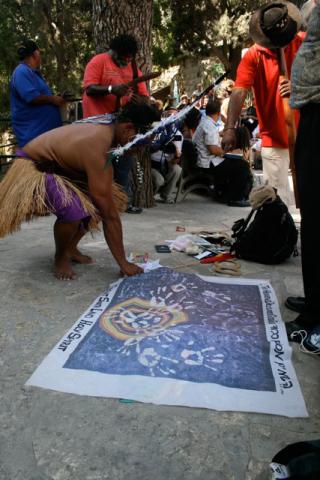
{"x":233,"y":179}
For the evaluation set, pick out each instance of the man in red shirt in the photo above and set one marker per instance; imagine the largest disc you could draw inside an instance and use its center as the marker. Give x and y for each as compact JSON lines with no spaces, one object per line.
{"x":271,"y":27}
{"x":106,"y":76}
{"x":105,"y":91}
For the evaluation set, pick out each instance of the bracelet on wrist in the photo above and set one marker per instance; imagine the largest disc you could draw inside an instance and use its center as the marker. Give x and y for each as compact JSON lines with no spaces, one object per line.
{"x":229,"y":128}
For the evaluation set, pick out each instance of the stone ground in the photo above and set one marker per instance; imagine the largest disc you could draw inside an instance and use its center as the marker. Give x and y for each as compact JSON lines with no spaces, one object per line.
{"x":49,"y":435}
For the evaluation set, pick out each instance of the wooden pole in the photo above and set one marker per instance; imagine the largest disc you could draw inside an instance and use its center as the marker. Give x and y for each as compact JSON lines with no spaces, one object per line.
{"x":290,"y":122}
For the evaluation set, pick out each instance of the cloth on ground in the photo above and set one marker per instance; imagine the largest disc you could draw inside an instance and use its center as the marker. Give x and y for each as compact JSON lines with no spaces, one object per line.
{"x":260,"y":195}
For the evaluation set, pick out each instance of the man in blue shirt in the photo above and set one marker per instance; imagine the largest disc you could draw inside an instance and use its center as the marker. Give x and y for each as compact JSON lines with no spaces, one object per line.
{"x":33,"y":107}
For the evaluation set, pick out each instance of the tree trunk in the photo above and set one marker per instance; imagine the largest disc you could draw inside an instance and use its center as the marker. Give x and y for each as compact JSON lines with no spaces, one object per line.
{"x":142,"y":187}
{"x":56,"y":33}
{"x":230,"y":58}
{"x":111,"y":18}
{"x":114,"y":17}
{"x":234,"y":60}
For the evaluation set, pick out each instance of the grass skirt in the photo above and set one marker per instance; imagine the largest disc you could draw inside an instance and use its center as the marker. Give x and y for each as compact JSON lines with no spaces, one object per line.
{"x":23,"y":196}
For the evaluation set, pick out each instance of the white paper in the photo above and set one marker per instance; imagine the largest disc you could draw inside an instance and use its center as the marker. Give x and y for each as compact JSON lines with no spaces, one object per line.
{"x":204,"y":254}
{"x":171,"y":338}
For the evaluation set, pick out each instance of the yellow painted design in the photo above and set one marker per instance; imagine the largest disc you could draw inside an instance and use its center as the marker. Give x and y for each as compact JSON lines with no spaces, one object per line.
{"x":137,"y":318}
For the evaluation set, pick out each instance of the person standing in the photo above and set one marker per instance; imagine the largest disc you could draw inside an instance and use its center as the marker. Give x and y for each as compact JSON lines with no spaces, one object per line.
{"x":106,"y":76}
{"x":271,"y":27}
{"x":34,"y":108}
{"x":305,"y":96}
{"x":105,"y":91}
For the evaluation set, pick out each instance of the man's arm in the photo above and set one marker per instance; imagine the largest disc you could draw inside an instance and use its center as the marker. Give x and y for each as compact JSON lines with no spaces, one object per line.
{"x":212,"y":141}
{"x":236,"y":102}
{"x":246,"y":74}
{"x":93,"y":76}
{"x":25,"y":83}
{"x":176,"y":157}
{"x":100,"y":90}
{"x":215,"y":150}
{"x":45,"y":99}
{"x":100,"y":188}
{"x":94,"y":86}
{"x":178,"y":148}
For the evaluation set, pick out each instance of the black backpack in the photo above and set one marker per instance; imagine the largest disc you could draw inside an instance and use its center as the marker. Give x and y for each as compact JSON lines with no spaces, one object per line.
{"x":268,"y":237}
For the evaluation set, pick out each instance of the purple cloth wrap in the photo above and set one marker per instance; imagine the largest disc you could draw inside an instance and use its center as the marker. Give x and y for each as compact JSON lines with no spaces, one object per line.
{"x":72,"y":212}
{"x":21,"y":153}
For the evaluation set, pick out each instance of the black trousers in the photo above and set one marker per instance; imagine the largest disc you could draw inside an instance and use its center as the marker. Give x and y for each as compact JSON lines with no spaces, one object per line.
{"x":307,"y":160}
{"x":122,"y":167}
{"x":232,"y":179}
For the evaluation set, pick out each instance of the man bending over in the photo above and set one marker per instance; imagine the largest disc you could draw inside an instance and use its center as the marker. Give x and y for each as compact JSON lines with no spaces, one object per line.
{"x":69,"y":171}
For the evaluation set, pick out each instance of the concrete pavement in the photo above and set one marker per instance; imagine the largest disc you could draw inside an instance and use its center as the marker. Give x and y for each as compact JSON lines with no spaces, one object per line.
{"x":50,"y":435}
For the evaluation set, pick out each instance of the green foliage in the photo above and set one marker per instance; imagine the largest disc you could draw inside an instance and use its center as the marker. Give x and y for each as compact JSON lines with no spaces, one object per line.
{"x":163,"y":41}
{"x":216,"y":25}
{"x":62,"y":29}
{"x":203,"y":28}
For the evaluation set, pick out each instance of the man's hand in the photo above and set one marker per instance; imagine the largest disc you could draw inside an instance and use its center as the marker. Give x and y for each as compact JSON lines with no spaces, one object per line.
{"x":120,"y":90}
{"x":131,"y":269}
{"x":67,"y":96}
{"x":229,"y":140}
{"x":285,"y":88}
{"x":174,"y":160}
{"x":44,"y":99}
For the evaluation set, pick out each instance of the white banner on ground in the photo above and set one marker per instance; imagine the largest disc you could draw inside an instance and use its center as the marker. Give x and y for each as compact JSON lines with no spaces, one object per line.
{"x":172,"y":338}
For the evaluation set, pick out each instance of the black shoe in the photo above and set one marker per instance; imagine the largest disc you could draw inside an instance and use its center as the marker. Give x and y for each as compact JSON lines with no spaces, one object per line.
{"x":298,"y":329}
{"x":295,"y":332}
{"x":311,"y":343}
{"x":132,"y":209}
{"x":239,"y":203}
{"x":296,"y":304}
{"x":219,"y":197}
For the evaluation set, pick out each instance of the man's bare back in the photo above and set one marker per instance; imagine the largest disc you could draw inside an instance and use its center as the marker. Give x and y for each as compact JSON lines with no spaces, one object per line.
{"x":76,"y":148}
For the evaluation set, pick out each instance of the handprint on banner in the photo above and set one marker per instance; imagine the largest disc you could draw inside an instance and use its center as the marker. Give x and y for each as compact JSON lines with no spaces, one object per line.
{"x":176,"y":325}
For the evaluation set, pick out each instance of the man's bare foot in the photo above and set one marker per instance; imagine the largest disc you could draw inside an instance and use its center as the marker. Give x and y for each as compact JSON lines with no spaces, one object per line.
{"x":78,"y":257}
{"x":62,"y":269}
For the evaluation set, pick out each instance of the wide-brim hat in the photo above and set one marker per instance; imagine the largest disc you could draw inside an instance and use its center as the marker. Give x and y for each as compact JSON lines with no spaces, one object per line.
{"x":275,"y":24}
